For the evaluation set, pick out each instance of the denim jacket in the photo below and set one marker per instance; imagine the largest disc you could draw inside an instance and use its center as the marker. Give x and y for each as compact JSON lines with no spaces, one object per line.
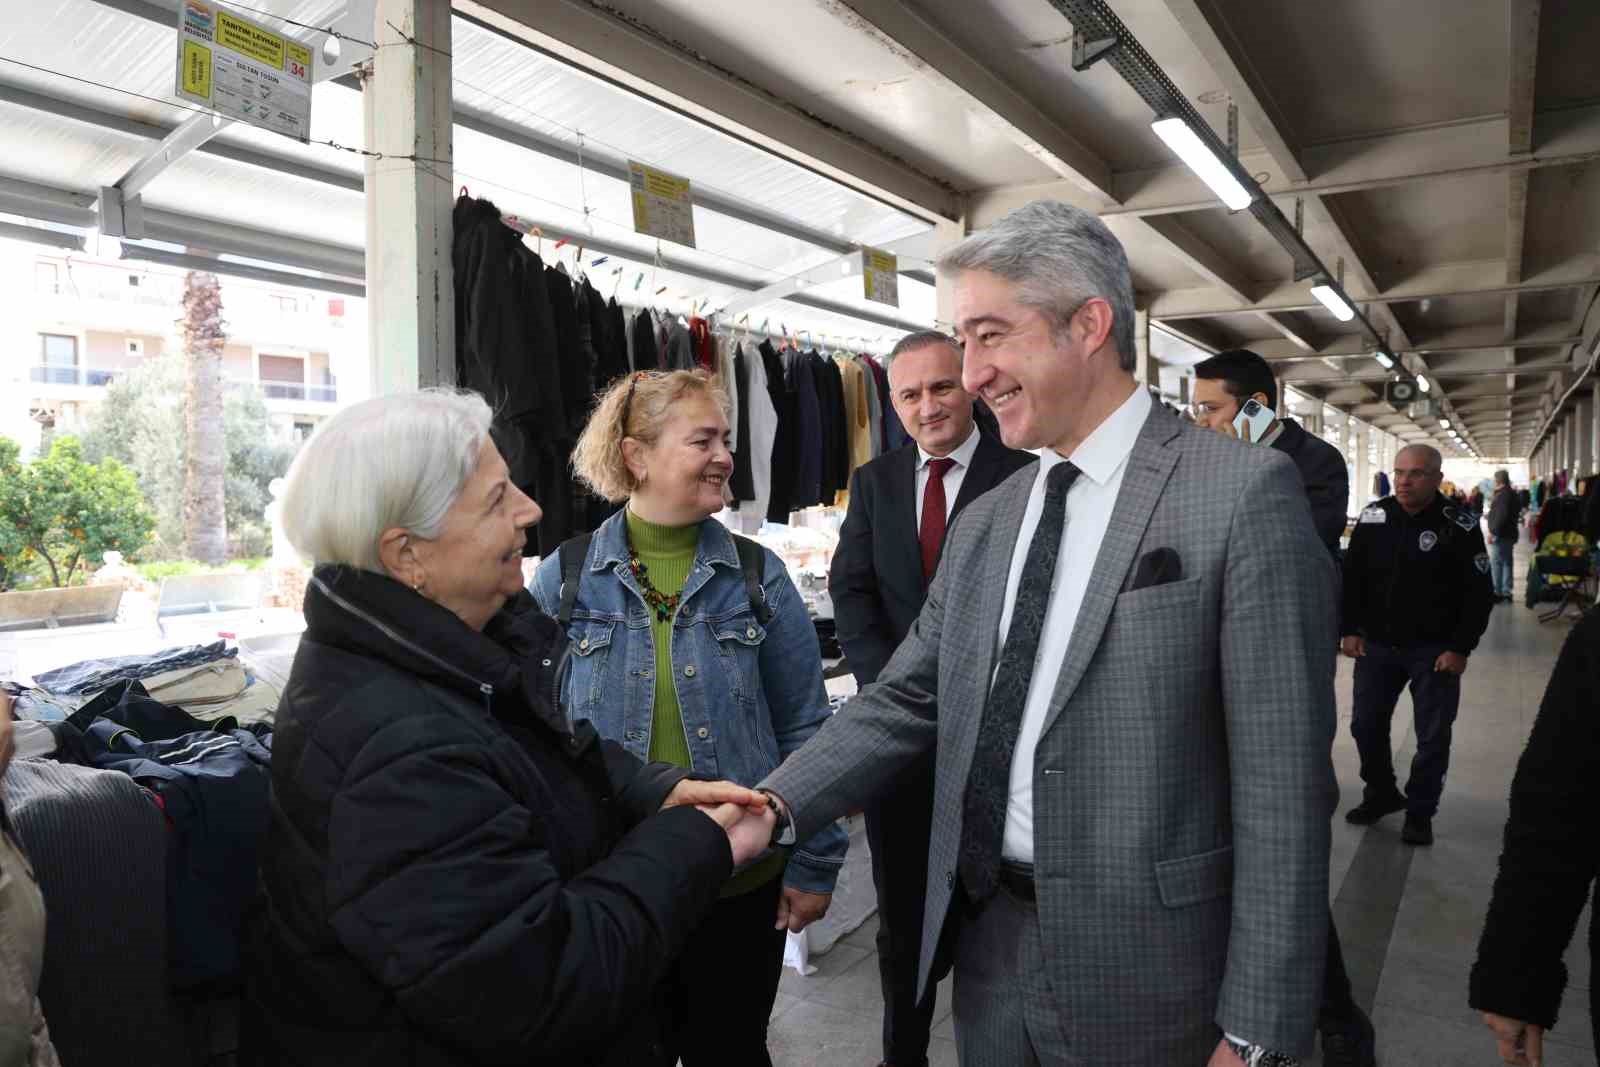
{"x":750,"y":694}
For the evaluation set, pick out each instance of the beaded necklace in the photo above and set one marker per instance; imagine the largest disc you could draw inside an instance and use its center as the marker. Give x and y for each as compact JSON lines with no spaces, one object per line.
{"x":665,"y":606}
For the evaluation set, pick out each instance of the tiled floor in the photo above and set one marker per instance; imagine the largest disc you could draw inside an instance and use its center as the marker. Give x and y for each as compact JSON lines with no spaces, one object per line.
{"x":1408,"y":948}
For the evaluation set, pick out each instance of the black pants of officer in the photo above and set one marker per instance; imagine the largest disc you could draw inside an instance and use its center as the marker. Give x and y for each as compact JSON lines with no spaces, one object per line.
{"x":898,"y":828}
{"x":1435,"y":696}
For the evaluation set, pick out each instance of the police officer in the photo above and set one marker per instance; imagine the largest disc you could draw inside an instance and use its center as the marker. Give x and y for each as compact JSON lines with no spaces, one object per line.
{"x":1416,"y":600}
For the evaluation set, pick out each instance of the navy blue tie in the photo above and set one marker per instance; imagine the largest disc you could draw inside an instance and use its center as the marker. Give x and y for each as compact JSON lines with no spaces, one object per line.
{"x":989,"y":782}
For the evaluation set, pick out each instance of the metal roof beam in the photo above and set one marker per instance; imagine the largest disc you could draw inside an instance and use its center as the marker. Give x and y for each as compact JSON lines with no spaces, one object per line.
{"x":1524,"y":63}
{"x":240,"y":270}
{"x":1433,"y":282}
{"x":628,"y":54}
{"x":1458,"y":339}
{"x":1312,"y":372}
{"x":109,"y":120}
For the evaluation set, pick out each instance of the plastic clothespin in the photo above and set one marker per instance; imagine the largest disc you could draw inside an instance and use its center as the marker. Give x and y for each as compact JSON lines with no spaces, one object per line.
{"x":601,"y":260}
{"x":638,"y":281}
{"x":661,"y":290}
{"x":580,"y":253}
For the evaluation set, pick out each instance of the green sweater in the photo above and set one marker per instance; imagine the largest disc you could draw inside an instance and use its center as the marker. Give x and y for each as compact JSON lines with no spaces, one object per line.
{"x":667,"y":553}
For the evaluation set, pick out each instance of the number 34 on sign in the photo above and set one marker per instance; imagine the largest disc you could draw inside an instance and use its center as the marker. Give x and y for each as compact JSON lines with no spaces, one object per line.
{"x":243,"y":70}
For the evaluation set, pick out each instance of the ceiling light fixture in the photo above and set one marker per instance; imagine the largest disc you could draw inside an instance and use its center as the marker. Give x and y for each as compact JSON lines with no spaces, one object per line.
{"x":1444,"y":423}
{"x":1422,"y":383}
{"x":1383,"y":358}
{"x":1330,"y":298}
{"x":1187,"y":145}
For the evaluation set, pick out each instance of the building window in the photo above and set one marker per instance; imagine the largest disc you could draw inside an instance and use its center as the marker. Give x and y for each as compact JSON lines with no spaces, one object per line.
{"x":303,"y":431}
{"x":283,"y":377}
{"x":135,"y":348}
{"x":47,"y":278}
{"x":58,"y":359}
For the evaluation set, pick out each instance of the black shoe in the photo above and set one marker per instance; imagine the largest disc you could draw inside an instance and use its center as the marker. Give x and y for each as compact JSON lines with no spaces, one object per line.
{"x":1418,"y":830}
{"x":1349,"y":1043}
{"x":1370,"y":811}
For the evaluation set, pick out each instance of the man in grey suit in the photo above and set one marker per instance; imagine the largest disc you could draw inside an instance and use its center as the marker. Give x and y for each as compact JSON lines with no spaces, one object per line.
{"x":1125,"y":667}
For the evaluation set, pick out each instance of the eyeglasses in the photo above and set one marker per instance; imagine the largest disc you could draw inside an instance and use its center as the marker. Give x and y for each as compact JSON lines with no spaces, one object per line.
{"x":1204,"y":410}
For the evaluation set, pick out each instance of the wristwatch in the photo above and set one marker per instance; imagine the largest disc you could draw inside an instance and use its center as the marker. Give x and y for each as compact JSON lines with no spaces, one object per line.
{"x":1257,"y":1056}
{"x":784,"y":836}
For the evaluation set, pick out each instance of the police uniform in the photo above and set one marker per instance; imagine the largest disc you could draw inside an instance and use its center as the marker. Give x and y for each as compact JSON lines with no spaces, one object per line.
{"x":1415,"y":586}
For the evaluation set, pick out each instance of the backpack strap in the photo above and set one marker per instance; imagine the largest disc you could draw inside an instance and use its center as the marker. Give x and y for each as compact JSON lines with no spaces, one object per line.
{"x":753,"y":562}
{"x":573,"y":554}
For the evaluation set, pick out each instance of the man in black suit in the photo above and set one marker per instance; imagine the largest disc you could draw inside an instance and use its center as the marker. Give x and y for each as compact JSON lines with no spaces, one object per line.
{"x":1221,"y":386}
{"x":901,"y":505}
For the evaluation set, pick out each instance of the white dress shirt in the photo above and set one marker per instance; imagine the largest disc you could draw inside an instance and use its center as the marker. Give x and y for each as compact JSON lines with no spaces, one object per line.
{"x":1103,"y":459}
{"x":952,"y":477}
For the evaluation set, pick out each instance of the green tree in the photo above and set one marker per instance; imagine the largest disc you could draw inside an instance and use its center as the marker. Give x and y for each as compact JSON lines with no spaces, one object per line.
{"x":142,"y":423}
{"x":12,"y":544}
{"x":68,"y":512}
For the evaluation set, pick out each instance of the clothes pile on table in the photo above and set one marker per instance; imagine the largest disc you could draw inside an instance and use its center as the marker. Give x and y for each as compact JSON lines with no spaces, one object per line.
{"x":140,"y":792}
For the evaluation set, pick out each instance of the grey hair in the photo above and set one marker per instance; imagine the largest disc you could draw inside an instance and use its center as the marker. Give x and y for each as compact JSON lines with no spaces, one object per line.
{"x":1434,"y":458}
{"x":393,"y":461}
{"x":919,"y":339}
{"x":1502,"y":476}
{"x":1059,"y":256}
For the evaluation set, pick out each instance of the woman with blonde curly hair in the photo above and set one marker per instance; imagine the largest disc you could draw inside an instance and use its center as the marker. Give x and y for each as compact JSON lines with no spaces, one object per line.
{"x":679,"y":657}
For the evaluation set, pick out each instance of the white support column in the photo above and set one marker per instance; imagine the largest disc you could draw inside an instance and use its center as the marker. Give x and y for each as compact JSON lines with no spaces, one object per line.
{"x":1593,"y":429}
{"x":1583,"y":430}
{"x":946,"y":234}
{"x":1144,"y":364}
{"x":1363,"y":485}
{"x":410,"y":287}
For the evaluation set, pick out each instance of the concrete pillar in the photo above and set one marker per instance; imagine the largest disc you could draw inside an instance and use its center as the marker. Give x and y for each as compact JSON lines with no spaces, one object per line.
{"x":1363,"y":486}
{"x":1144,"y":364}
{"x":1583,"y":429}
{"x":947,"y":233}
{"x":410,"y":193}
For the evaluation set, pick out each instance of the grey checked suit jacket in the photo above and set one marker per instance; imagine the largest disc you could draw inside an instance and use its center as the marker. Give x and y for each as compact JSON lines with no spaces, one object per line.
{"x":1183,"y":784}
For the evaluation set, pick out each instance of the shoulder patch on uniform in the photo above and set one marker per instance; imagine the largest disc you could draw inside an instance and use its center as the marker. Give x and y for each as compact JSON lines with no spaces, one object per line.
{"x":1374,"y":514}
{"x":1481,"y":561}
{"x":1463,"y":519}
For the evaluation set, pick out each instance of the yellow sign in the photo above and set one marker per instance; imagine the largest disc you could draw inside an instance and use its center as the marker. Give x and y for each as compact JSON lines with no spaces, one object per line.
{"x":662,"y":204}
{"x":249,"y":40}
{"x":196,"y":69}
{"x":880,"y":276}
{"x":243,"y":70}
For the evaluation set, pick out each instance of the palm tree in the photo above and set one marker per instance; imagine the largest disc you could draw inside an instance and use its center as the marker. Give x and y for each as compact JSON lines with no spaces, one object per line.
{"x":205,"y":525}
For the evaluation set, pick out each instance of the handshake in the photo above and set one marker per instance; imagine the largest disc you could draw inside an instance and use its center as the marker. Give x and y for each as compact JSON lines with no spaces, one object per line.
{"x":749,"y":819}
{"x":744,"y":814}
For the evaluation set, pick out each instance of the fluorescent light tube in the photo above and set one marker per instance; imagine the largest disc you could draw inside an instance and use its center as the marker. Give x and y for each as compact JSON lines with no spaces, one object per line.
{"x":1186,"y":144}
{"x":1383,"y":359}
{"x":1444,"y":423}
{"x":1333,"y":302}
{"x":1422,"y":383}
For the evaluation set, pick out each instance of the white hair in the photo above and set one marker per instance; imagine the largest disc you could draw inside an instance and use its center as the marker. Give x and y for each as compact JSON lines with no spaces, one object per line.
{"x":393,"y":461}
{"x":1059,"y":256}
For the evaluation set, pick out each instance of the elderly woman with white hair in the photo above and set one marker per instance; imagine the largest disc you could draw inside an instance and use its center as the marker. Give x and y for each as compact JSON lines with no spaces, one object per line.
{"x":455,"y":873}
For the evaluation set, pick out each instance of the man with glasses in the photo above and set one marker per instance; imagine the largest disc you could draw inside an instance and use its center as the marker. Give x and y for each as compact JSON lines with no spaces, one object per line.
{"x":1416,"y":601}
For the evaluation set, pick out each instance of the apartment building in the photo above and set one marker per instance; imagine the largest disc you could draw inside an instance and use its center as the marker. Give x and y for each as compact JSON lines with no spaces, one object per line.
{"x":73,"y":323}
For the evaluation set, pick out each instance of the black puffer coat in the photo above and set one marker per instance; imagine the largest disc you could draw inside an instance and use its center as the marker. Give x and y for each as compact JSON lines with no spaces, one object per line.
{"x":1552,"y":848}
{"x":452,"y":876}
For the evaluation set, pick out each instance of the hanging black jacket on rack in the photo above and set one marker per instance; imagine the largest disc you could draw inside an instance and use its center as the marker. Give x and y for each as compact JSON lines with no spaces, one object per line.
{"x":742,"y":485}
{"x":800,"y":379}
{"x":784,"y":441}
{"x":505,"y":333}
{"x":617,"y":327}
{"x":642,"y":329}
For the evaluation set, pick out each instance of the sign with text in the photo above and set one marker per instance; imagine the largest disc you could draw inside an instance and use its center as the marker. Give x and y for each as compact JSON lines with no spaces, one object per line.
{"x":243,"y":70}
{"x":662,"y":204}
{"x":880,"y":276}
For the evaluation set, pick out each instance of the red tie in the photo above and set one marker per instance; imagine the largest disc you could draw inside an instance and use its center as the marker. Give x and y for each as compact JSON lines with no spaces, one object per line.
{"x":931,"y":532}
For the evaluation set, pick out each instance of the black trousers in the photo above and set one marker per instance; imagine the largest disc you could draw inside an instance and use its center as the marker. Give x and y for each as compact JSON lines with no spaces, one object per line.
{"x":719,"y":995}
{"x":1338,"y":1003}
{"x":1435,"y":697}
{"x":897,"y":831}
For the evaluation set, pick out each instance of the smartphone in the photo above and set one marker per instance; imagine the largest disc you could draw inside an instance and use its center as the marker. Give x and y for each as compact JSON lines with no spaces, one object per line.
{"x":1252,"y":421}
